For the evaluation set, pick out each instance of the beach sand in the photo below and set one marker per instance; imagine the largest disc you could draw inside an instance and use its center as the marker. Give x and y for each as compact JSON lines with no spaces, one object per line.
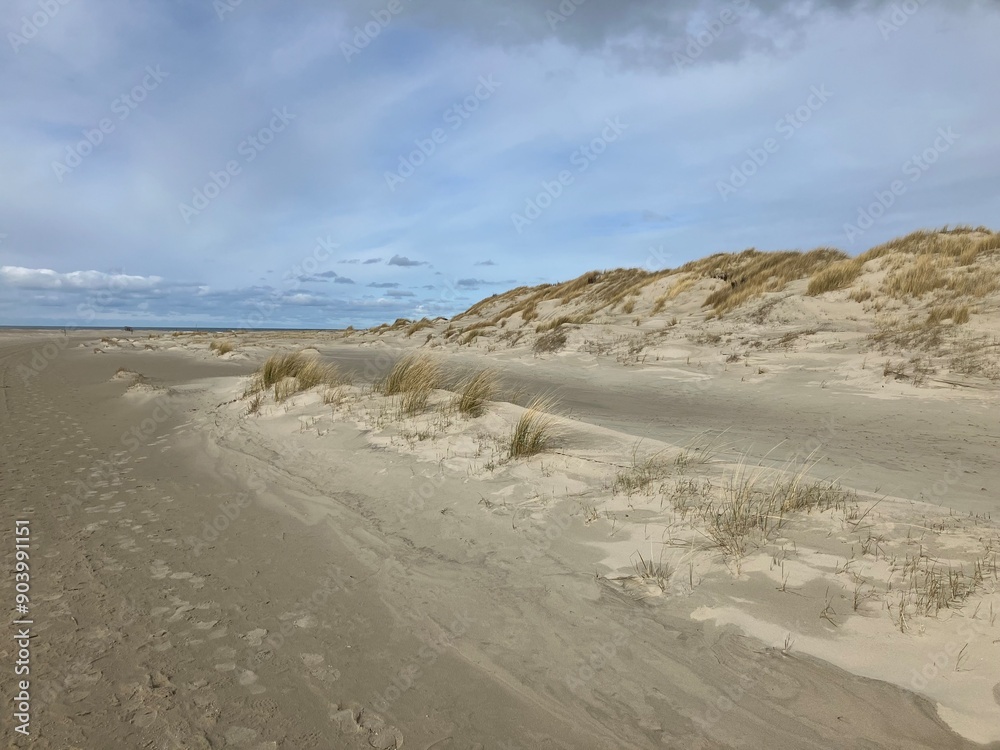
{"x":339,"y":575}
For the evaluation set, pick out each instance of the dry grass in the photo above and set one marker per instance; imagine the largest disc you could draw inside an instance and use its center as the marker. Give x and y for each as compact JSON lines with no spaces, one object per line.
{"x":418,"y":326}
{"x":292,"y":373}
{"x":535,"y":429}
{"x":682,"y":284}
{"x":221,"y":347}
{"x":835,"y":276}
{"x":412,"y":378}
{"x":554,"y":323}
{"x":750,"y":274}
{"x":642,"y":476}
{"x":949,"y":263}
{"x":412,"y":372}
{"x":917,"y":279}
{"x":861,"y":295}
{"x":476,"y":391}
{"x":756,"y":500}
{"x":553,"y":341}
{"x":958,"y":314}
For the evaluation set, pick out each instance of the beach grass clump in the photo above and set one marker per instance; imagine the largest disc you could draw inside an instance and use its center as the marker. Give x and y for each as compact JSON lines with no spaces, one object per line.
{"x":418,"y":326}
{"x":553,"y":341}
{"x":291,"y":373}
{"x":756,"y":501}
{"x":750,"y":274}
{"x":649,"y":571}
{"x":837,"y":275}
{"x":551,"y":325}
{"x":642,"y":476}
{"x":535,"y":429}
{"x":957,"y":314}
{"x":411,"y":373}
{"x":412,"y":378}
{"x":476,"y":391}
{"x":221,"y":347}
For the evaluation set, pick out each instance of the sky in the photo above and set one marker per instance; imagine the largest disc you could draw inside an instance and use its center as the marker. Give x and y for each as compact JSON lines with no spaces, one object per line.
{"x":239,"y":164}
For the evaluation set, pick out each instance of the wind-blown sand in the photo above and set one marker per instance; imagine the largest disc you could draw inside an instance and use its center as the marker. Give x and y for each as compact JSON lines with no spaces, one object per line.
{"x":214,"y":568}
{"x":369,"y":580}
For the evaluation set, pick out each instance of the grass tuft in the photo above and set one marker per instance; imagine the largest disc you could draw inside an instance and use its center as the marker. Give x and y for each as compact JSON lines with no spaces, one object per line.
{"x":534,"y":431}
{"x":291,"y":373}
{"x":412,"y":378}
{"x":835,"y":276}
{"x":221,"y":347}
{"x":552,"y":341}
{"x":476,"y":391}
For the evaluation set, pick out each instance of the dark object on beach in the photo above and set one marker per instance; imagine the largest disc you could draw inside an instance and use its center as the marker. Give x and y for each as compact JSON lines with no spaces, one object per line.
{"x":129,"y":329}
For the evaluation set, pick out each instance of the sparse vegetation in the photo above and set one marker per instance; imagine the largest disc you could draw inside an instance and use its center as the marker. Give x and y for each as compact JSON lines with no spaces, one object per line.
{"x":642,"y":476}
{"x":835,"y":276}
{"x":534,"y":431}
{"x":221,"y":347}
{"x":412,"y":378}
{"x":553,"y":341}
{"x":292,"y":373}
{"x":418,"y":326}
{"x":755,"y":502}
{"x":475,"y":391}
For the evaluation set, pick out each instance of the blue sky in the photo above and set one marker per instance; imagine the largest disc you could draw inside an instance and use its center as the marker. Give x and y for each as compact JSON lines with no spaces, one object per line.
{"x":184,"y":163}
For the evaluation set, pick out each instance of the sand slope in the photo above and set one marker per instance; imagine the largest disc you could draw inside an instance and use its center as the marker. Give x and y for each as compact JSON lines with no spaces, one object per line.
{"x":370,"y":578}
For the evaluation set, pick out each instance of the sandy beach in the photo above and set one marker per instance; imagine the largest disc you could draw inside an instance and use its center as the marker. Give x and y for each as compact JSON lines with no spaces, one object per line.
{"x":216,"y":563}
{"x":500,"y":375}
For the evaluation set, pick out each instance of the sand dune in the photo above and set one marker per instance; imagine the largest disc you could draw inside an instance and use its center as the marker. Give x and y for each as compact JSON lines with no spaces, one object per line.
{"x":755,"y":511}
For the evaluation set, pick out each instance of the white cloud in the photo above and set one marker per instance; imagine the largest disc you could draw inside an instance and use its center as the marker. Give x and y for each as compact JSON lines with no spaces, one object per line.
{"x":46,"y":278}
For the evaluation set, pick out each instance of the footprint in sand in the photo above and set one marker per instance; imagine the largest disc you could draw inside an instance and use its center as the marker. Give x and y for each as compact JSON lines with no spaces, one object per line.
{"x":248,"y":680}
{"x":352,"y":718}
{"x":240,"y":736}
{"x":255,"y":637}
{"x":315,"y":666}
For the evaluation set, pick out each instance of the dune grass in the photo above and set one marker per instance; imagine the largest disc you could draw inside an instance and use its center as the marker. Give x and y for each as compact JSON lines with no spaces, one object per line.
{"x":756,"y":500}
{"x":291,"y":373}
{"x":476,"y":391}
{"x":552,"y":341}
{"x":411,"y":372}
{"x":412,"y":378}
{"x":751,"y":273}
{"x":641,"y":476}
{"x":835,"y":276}
{"x":958,"y":314}
{"x":418,"y":326}
{"x":222,"y":347}
{"x":535,"y":429}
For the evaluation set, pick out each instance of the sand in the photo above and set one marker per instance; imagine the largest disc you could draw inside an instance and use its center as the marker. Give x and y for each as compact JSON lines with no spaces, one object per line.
{"x":336,"y":575}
